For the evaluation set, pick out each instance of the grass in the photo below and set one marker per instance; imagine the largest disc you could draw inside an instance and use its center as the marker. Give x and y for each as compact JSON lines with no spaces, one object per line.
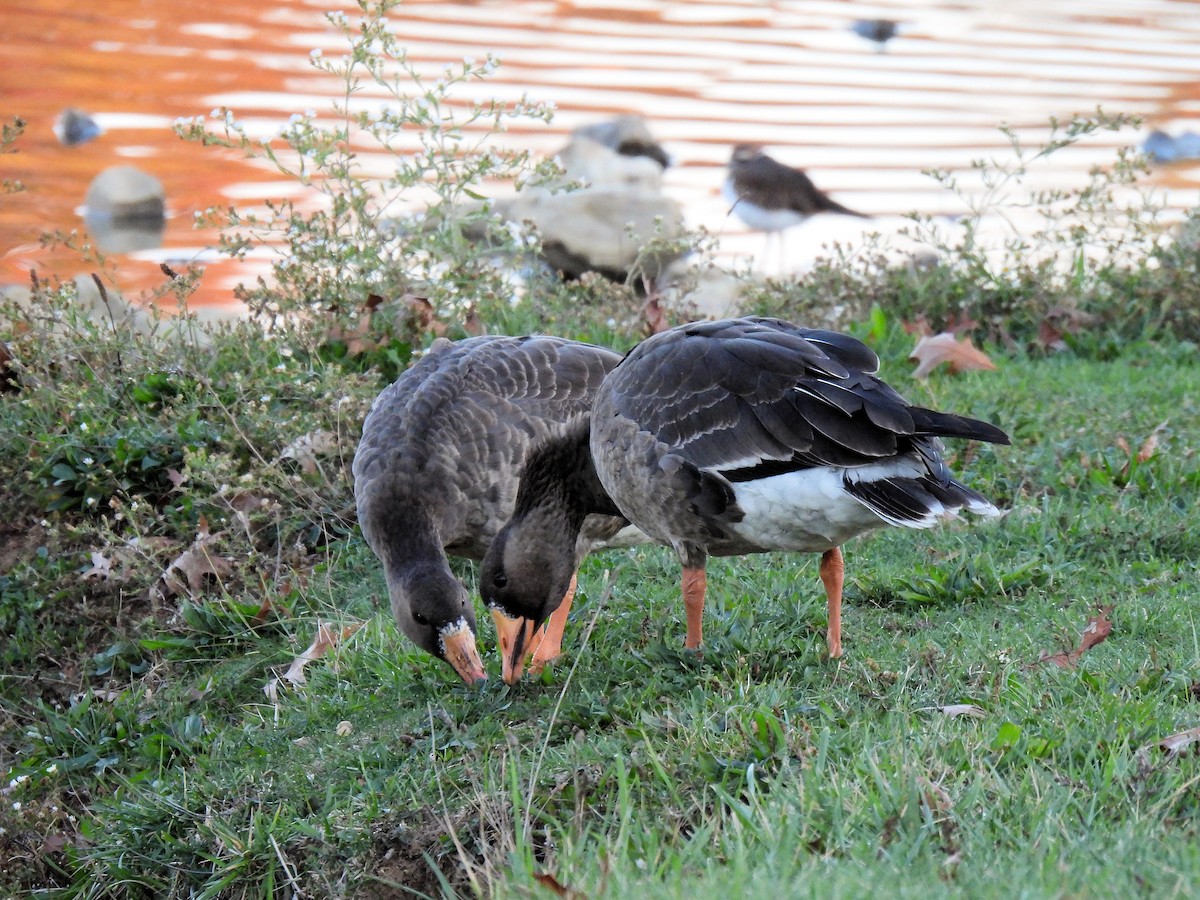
{"x":142,"y":757}
{"x":634,"y":768}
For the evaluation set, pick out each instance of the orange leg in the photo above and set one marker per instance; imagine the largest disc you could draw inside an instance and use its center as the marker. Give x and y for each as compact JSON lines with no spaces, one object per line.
{"x":550,"y":646}
{"x":693,"y":601}
{"x":833,"y":571}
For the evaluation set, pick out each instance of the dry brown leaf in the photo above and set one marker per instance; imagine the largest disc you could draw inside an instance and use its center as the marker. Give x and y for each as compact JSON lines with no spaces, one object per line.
{"x":960,"y":355}
{"x":1178,"y":743}
{"x":1095,"y":632}
{"x":306,"y":448}
{"x":1049,"y":336}
{"x":327,"y":638}
{"x":101,"y":567}
{"x":472,"y":324}
{"x":556,"y":887}
{"x":265,"y":608}
{"x":1059,"y":322}
{"x":344,"y":728}
{"x":423,"y":315}
{"x":918,"y":326}
{"x":655,"y":316}
{"x":1150,"y":445}
{"x":193,"y":565}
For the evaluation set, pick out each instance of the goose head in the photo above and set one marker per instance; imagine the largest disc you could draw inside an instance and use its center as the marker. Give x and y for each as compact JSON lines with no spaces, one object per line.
{"x":522,"y":579}
{"x":528,"y":567}
{"x":436,"y":613}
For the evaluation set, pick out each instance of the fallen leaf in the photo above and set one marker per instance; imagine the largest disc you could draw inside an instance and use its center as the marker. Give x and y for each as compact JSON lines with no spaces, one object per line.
{"x":919,"y":326}
{"x":472,"y":324}
{"x":423,"y":316}
{"x":937,"y":801}
{"x":1095,"y":632}
{"x":265,"y":609}
{"x":104,"y":695}
{"x":1178,"y":743}
{"x":546,"y":880}
{"x":1049,"y":336}
{"x":306,"y":448}
{"x":193,"y":565}
{"x":101,"y":567}
{"x":1150,"y":445}
{"x":344,"y":728}
{"x":960,"y":355}
{"x":655,"y":316}
{"x":961,"y":709}
{"x":1059,"y":322}
{"x":327,"y":638}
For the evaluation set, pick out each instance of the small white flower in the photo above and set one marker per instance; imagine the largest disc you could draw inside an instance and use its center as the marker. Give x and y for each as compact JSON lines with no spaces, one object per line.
{"x":315,"y":53}
{"x":16,"y":804}
{"x":87,"y":461}
{"x":52,"y":768}
{"x":83,"y":426}
{"x":91,"y":501}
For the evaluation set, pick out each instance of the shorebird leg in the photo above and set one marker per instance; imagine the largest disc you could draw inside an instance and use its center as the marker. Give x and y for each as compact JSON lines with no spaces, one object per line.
{"x":550,"y":645}
{"x":693,"y":601}
{"x":833,"y":571}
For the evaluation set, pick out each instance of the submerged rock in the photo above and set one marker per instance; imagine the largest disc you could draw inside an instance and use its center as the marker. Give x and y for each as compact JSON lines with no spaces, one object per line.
{"x":75,"y":127}
{"x":125,"y":210}
{"x":1163,"y":148}
{"x":602,"y":229}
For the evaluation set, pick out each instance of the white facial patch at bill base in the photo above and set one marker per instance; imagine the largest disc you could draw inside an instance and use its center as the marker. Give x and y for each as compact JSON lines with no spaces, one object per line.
{"x":458,"y":626}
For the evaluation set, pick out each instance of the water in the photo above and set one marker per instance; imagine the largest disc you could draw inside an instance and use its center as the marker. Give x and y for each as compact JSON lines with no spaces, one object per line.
{"x":791,"y":75}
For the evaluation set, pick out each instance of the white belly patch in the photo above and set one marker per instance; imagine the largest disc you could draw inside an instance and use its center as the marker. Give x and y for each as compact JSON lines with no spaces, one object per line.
{"x":807,"y":511}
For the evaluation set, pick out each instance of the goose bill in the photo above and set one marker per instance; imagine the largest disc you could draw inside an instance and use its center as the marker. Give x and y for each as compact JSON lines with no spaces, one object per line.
{"x":515,"y":637}
{"x":461,"y":652}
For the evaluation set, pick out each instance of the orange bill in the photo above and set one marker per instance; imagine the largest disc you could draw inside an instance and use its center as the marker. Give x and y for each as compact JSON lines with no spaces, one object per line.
{"x":515,"y":637}
{"x":461,"y":652}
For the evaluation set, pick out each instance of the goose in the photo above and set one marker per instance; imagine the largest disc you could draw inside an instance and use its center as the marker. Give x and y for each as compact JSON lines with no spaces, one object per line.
{"x":437,"y":468}
{"x":722,"y":438}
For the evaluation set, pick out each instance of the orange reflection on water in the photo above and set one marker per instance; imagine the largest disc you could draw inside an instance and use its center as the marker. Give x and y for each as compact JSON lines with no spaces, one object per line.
{"x":705,"y":73}
{"x":136,"y":67}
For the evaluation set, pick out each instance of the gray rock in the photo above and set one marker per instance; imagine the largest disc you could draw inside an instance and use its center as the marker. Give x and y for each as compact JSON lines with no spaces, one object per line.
{"x":75,"y":127}
{"x":602,"y":229}
{"x":125,"y":210}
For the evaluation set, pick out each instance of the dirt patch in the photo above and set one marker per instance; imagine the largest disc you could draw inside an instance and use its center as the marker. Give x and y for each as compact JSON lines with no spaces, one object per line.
{"x":17,"y":544}
{"x":416,"y":857}
{"x":432,"y":853}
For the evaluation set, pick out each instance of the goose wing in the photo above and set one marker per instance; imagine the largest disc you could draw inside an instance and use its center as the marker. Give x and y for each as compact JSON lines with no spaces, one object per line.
{"x":753,"y":397}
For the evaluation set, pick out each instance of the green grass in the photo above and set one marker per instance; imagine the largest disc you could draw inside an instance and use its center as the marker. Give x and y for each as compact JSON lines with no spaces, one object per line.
{"x":633,"y":768}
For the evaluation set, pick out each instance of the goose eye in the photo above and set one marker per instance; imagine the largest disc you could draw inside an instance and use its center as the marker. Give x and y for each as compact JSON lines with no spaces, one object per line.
{"x":420,"y":619}
{"x":500,"y":580}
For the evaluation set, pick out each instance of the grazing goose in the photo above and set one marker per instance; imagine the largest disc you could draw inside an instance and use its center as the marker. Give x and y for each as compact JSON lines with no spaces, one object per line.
{"x":722,"y":438}
{"x":437,"y":468}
